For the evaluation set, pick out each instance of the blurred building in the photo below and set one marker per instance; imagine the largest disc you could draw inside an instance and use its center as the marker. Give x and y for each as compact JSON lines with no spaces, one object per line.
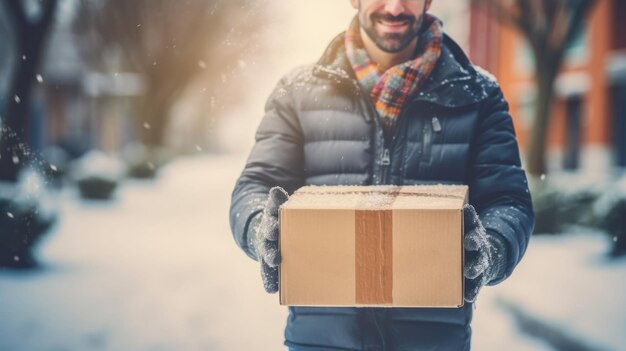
{"x":589,"y":114}
{"x":73,"y":107}
{"x":84,"y":109}
{"x":66,"y":121}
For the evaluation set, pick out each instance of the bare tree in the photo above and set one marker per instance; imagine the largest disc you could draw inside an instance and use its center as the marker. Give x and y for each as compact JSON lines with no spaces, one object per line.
{"x":548,"y":26}
{"x":169,"y":43}
{"x":30,"y":32}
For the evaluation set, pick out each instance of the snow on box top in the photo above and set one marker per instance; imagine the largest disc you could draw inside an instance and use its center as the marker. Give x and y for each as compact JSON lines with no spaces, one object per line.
{"x":436,"y":197}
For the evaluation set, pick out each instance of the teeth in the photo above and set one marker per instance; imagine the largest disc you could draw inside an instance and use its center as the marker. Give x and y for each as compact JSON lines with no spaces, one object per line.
{"x":393,"y":23}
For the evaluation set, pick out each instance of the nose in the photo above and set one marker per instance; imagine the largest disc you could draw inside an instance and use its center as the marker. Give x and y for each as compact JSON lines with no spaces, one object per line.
{"x":394,"y":7}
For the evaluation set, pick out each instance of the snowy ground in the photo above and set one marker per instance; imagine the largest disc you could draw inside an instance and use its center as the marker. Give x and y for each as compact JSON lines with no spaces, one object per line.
{"x":569,"y":286}
{"x":157,"y":269}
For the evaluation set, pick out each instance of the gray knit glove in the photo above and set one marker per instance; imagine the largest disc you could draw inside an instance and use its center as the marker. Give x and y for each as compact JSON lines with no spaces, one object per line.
{"x":485,"y":255}
{"x":266,"y":243}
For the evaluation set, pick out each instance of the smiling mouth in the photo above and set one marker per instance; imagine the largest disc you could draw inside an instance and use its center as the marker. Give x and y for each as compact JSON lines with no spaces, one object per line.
{"x":393,"y":23}
{"x":393,"y":26}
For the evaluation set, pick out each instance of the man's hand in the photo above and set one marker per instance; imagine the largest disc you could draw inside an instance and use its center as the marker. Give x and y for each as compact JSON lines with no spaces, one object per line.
{"x":267,"y":239}
{"x":484,"y":255}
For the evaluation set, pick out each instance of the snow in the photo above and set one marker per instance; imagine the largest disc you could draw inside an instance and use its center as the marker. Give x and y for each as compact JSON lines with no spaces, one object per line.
{"x":486,"y":73}
{"x":568,"y":282}
{"x":157,"y":269}
{"x":98,"y":164}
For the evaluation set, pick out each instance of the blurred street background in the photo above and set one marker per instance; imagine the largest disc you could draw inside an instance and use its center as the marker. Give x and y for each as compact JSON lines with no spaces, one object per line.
{"x":124,"y":125}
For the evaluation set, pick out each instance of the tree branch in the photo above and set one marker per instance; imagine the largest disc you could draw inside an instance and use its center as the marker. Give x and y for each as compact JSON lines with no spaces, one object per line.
{"x":577,"y":19}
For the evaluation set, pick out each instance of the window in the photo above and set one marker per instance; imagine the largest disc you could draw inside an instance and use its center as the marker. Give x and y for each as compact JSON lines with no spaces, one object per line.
{"x":577,"y":52}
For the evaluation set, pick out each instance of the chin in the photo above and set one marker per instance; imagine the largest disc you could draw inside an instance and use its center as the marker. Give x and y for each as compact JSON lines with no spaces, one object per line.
{"x":392,"y":45}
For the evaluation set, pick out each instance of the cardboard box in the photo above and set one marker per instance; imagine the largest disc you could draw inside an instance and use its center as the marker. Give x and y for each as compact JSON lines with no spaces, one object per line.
{"x":373,"y":246}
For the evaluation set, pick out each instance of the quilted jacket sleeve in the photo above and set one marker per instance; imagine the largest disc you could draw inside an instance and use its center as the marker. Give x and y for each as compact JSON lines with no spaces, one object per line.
{"x":275,"y":160}
{"x":498,"y":185}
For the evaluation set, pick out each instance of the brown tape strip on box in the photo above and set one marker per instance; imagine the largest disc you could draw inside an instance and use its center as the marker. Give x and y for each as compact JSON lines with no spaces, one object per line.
{"x":374,"y":244}
{"x":374,"y":260}
{"x":374,"y":248}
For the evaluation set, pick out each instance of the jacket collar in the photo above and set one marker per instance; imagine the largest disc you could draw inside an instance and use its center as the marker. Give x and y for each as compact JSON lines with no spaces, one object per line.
{"x":453,"y":83}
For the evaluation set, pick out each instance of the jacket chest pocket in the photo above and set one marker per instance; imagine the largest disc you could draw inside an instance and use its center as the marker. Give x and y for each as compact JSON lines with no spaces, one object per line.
{"x":438,"y":145}
{"x":422,"y":134}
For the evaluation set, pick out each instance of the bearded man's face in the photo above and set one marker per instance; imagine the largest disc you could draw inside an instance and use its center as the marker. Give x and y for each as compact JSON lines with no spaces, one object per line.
{"x":391,"y":24}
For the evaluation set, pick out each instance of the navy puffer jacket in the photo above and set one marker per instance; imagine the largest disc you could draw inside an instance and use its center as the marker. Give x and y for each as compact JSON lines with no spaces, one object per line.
{"x":321,"y":129}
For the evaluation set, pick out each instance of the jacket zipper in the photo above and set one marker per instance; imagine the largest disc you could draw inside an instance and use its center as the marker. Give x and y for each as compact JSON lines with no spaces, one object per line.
{"x":385,"y":161}
{"x":426,"y":141}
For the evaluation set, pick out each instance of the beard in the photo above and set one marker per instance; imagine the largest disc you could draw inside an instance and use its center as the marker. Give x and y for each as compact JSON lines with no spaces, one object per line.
{"x":392,"y":42}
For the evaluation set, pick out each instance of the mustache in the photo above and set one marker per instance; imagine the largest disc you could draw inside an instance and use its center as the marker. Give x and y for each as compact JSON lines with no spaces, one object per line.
{"x":387,"y":17}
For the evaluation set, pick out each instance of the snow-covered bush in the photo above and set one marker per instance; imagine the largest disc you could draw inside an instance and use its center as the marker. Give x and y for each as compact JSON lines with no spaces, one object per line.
{"x":546,"y":205}
{"x":610,"y":213}
{"x":564,"y":202}
{"x":576,"y":206}
{"x":26,"y":213}
{"x":142,"y":161}
{"x":97,"y":175}
{"x":96,"y":188}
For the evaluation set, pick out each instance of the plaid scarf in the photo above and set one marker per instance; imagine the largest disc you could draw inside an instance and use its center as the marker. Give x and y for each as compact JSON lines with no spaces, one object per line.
{"x":389,"y":90}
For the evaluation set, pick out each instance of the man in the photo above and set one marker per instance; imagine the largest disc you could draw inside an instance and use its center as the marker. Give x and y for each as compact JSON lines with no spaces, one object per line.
{"x":393,"y":100}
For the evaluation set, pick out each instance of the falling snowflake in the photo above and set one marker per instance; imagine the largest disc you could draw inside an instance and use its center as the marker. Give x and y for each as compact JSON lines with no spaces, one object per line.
{"x":16,"y":258}
{"x":24,"y":57}
{"x":198,"y":148}
{"x":202,"y":64}
{"x":54,"y":168}
{"x":146,"y":125}
{"x":543,"y":177}
{"x":17,"y":99}
{"x":10,"y":215}
{"x":16,"y":159}
{"x":242,"y":64}
{"x":39,"y":78}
